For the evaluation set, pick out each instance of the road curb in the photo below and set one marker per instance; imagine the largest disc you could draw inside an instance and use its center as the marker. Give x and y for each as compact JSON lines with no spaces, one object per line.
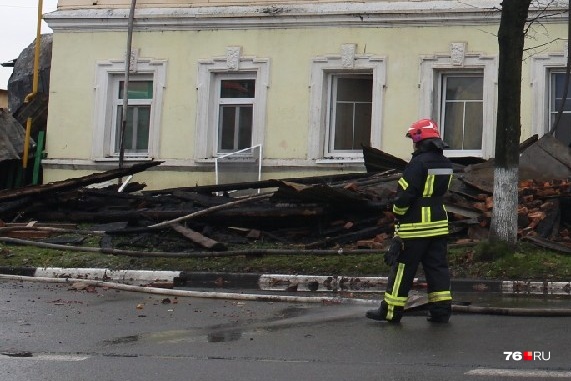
{"x":120,"y":276}
{"x":283,"y":282}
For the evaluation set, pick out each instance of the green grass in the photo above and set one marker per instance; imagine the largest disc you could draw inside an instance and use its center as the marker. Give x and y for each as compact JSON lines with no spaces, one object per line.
{"x":527,"y":262}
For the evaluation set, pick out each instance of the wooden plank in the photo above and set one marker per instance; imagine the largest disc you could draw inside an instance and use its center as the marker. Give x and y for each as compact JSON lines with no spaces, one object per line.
{"x":40,"y":225}
{"x":26,"y":234}
{"x":541,"y":242}
{"x":199,"y":239}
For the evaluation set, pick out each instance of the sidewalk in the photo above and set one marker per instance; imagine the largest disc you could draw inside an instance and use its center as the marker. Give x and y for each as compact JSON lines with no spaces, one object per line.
{"x":282,"y":282}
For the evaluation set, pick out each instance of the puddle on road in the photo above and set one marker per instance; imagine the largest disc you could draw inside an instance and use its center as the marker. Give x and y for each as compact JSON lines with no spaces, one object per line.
{"x":291,"y":316}
{"x":490,"y":299}
{"x":122,"y":340}
{"x":181,"y":336}
{"x":17,"y":354}
{"x":295,"y":316}
{"x":223,"y":336}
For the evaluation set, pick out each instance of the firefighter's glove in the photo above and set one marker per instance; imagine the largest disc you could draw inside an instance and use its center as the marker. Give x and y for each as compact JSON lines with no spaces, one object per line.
{"x":395,"y":248}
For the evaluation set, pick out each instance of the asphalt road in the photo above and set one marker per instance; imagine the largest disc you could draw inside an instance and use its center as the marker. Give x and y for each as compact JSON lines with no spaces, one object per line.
{"x":51,"y":332}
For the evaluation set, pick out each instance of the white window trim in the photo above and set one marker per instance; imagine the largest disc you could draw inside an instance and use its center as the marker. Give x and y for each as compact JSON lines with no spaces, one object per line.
{"x":207,"y":114}
{"x":219,"y":101}
{"x":441,"y":95}
{"x":102,"y":139}
{"x":115,"y":103}
{"x":541,"y":67}
{"x":430,"y":69}
{"x":321,"y":67}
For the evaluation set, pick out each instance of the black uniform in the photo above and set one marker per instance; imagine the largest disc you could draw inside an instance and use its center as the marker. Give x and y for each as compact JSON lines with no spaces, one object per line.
{"x":423,"y":227}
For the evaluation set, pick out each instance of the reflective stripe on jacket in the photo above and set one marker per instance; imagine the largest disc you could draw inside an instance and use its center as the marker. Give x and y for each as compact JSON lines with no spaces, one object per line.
{"x":419,"y":204}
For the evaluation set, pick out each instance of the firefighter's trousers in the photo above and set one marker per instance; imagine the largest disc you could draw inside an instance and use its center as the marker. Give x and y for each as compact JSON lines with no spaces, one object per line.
{"x":432,"y":253}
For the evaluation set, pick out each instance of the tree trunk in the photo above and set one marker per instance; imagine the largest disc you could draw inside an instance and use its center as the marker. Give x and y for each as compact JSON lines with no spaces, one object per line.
{"x":511,"y":42}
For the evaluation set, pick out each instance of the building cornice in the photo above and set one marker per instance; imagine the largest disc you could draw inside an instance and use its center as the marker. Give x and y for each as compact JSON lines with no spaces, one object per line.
{"x":291,"y":15}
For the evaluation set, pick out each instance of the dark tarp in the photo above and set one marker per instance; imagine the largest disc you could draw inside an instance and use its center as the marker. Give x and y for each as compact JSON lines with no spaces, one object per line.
{"x":20,"y":82}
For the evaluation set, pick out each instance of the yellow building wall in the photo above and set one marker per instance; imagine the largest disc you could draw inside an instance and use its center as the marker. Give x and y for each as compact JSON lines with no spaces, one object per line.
{"x":290,"y":51}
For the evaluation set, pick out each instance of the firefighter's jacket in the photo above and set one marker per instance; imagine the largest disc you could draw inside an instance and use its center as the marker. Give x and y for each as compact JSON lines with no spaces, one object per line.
{"x":419,"y":206}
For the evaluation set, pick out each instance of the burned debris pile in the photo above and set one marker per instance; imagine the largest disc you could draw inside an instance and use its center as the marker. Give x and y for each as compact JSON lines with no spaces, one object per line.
{"x":349,"y":212}
{"x":312,"y":213}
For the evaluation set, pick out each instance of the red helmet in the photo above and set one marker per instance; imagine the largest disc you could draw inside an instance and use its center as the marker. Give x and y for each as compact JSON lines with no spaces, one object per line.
{"x":423,"y":129}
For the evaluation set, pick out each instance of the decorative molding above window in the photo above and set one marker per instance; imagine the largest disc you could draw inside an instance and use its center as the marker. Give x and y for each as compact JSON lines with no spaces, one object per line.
{"x":457,"y":53}
{"x":233,"y":57}
{"x":348,"y":55}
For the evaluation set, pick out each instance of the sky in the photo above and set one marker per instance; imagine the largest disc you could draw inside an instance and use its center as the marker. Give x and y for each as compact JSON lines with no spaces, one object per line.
{"x":18,"y":27}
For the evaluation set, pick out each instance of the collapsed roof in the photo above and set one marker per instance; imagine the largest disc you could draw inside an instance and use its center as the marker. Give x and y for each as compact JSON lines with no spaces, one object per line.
{"x":12,"y":136}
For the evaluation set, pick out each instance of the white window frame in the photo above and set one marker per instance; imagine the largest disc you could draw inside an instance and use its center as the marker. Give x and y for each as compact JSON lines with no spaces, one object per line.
{"x":117,"y":103}
{"x":552,"y":114}
{"x":332,"y":106}
{"x":321,"y":70}
{"x":106,"y":73}
{"x":541,"y":68}
{"x":219,"y":101}
{"x":441,"y":97}
{"x":431,"y":69}
{"x":209,"y":74}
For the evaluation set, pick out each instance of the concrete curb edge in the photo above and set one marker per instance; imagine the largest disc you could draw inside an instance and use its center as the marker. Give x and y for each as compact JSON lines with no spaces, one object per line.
{"x":283,"y":282}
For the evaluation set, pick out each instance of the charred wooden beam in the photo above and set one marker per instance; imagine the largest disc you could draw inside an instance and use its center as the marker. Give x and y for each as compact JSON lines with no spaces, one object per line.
{"x":350,"y":237}
{"x":109,"y":216}
{"x":75,"y":182}
{"x":201,"y":199}
{"x":548,"y":227}
{"x":379,"y":161}
{"x":541,"y":242}
{"x":272,"y":183}
{"x":244,"y":216}
{"x":8,"y":208}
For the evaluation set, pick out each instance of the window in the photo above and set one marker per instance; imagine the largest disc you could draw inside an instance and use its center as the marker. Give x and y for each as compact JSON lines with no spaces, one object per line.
{"x":231,"y":109}
{"x":140,"y":96}
{"x":459,"y":91}
{"x":349,"y":123}
{"x":345,"y":105}
{"x":236,"y":110}
{"x":145,"y":93}
{"x":557,"y":84}
{"x":461,"y":114}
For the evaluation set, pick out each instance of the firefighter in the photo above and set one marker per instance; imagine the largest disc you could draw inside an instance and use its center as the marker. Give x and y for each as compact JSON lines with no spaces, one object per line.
{"x":421,"y":228}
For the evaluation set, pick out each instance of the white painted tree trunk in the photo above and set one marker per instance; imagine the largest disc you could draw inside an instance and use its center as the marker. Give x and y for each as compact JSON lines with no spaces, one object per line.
{"x":504,"y":215}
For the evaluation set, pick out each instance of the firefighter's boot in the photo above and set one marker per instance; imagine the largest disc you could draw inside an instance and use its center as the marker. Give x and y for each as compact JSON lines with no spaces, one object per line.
{"x":380,"y":314}
{"x":439,"y":312}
